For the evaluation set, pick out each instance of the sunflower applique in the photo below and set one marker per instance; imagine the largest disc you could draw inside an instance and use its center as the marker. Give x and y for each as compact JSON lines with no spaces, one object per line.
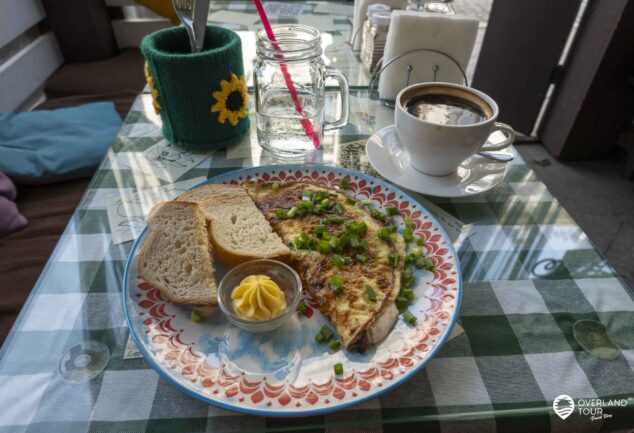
{"x":155,"y":93}
{"x":231,"y":101}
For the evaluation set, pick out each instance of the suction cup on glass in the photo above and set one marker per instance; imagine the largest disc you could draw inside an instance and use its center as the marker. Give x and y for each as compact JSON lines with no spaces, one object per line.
{"x":83,"y":362}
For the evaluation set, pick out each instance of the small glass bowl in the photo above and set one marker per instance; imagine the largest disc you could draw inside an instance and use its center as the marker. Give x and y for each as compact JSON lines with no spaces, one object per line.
{"x":282,"y":274}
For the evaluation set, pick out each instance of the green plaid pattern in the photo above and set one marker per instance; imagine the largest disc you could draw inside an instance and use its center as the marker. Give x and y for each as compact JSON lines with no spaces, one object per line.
{"x":530,"y":273}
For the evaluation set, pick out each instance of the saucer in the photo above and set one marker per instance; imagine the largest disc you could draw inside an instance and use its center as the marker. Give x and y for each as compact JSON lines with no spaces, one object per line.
{"x":389,"y":158}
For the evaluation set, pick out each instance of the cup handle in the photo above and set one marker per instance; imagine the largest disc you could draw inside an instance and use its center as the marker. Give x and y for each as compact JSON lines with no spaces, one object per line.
{"x":507,"y":130}
{"x":344,"y":91}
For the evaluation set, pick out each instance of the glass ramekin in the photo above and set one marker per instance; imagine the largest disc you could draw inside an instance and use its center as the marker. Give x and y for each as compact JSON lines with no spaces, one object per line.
{"x":282,"y":274}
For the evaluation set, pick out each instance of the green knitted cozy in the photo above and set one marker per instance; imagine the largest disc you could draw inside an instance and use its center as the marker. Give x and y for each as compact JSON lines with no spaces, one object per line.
{"x":202,"y":97}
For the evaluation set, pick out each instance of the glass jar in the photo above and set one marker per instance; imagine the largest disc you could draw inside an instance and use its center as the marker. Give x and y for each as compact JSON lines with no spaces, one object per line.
{"x":289,"y":81}
{"x":365,"y":28}
{"x":377,"y":36}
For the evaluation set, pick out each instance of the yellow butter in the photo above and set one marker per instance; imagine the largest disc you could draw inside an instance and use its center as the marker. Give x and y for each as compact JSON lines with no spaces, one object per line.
{"x":258,"y":297}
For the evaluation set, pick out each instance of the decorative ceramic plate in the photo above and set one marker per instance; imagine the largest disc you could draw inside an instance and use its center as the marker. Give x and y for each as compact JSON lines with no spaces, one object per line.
{"x":287,"y":373}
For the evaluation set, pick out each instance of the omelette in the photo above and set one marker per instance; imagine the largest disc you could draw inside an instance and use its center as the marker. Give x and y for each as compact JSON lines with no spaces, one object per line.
{"x":342,"y":255}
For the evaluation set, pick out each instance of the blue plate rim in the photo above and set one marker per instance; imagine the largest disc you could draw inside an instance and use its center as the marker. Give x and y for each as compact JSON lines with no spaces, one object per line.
{"x":165,"y":373}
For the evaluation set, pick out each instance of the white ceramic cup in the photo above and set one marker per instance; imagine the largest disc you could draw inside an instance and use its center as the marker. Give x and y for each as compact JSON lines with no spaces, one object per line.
{"x":438,"y":149}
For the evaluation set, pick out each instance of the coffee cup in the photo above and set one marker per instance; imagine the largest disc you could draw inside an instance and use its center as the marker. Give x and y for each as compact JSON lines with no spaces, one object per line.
{"x":442,"y":124}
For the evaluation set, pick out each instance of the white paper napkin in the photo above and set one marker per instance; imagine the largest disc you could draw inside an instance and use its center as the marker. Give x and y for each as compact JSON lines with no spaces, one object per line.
{"x":452,"y":34}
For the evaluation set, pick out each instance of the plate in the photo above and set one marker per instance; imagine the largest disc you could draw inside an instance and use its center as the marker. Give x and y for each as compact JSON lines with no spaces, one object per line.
{"x":290,"y":374}
{"x":389,"y":158}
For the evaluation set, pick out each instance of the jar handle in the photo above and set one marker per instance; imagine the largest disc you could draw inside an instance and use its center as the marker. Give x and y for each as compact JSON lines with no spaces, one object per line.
{"x":344,"y":90}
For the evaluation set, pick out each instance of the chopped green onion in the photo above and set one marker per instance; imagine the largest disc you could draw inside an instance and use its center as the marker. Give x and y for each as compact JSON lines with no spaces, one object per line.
{"x":338,"y":369}
{"x":304,"y":242}
{"x":291,"y":213}
{"x":334,"y":345}
{"x":326,"y":333}
{"x":369,"y":293}
{"x":196,"y":316}
{"x":366,"y":202}
{"x":336,"y":284}
{"x":409,"y":317}
{"x":401,"y":303}
{"x":344,"y":183}
{"x":391,"y":210}
{"x":408,"y":294}
{"x":340,"y":261}
{"x":337,"y":208}
{"x":384,"y":234}
{"x":275,"y":186}
{"x":408,"y":235}
{"x":407,"y":278}
{"x":378,"y":215}
{"x":420,"y":241}
{"x":281,"y":213}
{"x":351,"y":201}
{"x":308,"y":195}
{"x":355,"y":243}
{"x":357,"y":228}
{"x":394,"y":259}
{"x":333,"y":220}
{"x":424,"y":263}
{"x":323,"y":247}
{"x":408,"y":223}
{"x":361,"y":258}
{"x":343,"y":241}
{"x":320,"y":230}
{"x":319,"y":338}
{"x":325,"y":203}
{"x":326,"y":236}
{"x":301,"y":310}
{"x":417,"y":252}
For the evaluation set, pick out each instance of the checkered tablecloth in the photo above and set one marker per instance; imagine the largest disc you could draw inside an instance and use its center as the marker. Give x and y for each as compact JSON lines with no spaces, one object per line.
{"x":529,"y":274}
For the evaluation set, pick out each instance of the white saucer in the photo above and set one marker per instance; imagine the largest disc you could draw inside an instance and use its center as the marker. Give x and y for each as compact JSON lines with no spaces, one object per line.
{"x":475,"y":175}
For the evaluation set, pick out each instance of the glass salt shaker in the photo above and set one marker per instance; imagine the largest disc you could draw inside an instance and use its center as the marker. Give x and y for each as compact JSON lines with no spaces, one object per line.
{"x":365,"y":28}
{"x":377,"y":36}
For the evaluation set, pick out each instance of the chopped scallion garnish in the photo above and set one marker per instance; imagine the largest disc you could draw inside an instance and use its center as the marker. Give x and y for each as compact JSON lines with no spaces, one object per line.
{"x":361,"y":258}
{"x":301,"y":310}
{"x":275,"y":186}
{"x":391,"y":210}
{"x":326,"y":333}
{"x":338,"y":369}
{"x":369,"y":294}
{"x":340,"y":261}
{"x":196,"y":316}
{"x":333,"y":220}
{"x":409,"y":317}
{"x":334,"y":345}
{"x":344,"y":183}
{"x":394,"y":259}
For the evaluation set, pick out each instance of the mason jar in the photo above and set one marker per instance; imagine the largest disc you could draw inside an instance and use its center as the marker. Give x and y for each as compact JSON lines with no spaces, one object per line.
{"x":289,"y":81}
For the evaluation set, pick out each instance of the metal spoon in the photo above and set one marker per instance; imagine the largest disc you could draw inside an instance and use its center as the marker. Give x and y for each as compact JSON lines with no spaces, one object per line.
{"x":497,"y":156}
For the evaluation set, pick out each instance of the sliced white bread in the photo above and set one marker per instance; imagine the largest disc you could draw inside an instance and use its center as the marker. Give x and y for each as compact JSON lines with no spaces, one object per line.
{"x":176,"y":256}
{"x":238,"y":230}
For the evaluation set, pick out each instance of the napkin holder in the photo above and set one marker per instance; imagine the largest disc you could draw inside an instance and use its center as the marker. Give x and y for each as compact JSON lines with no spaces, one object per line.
{"x":201,"y":97}
{"x":409,"y":68}
{"x":440,"y":52}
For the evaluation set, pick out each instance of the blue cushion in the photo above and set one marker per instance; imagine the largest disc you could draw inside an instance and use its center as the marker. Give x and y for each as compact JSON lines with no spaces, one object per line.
{"x":49,"y":145}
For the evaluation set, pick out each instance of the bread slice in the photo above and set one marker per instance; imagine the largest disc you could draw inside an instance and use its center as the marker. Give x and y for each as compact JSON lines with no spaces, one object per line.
{"x":238,"y":230}
{"x":176,"y":256}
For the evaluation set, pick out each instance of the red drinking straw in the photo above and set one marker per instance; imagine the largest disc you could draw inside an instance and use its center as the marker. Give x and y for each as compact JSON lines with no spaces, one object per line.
{"x":306,"y":123}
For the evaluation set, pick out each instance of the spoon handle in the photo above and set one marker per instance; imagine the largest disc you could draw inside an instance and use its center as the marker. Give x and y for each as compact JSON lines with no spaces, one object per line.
{"x":497,"y":156}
